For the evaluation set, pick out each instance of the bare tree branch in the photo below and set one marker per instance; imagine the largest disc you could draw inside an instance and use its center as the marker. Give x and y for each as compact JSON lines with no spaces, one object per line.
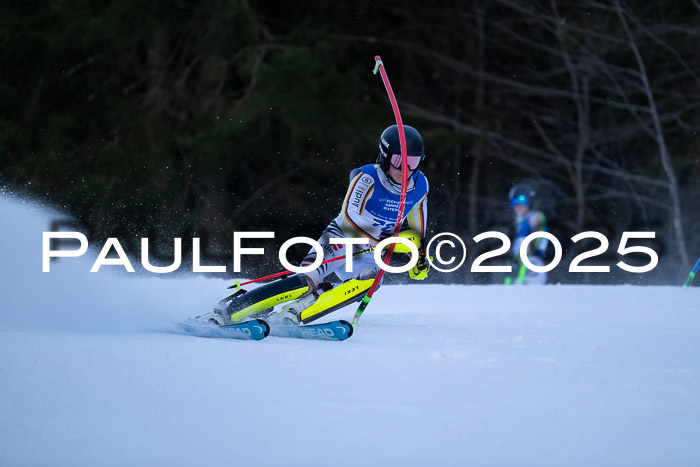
{"x":660,"y":140}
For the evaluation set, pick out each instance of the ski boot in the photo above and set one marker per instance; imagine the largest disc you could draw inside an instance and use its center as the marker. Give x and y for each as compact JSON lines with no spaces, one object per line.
{"x":259,"y":302}
{"x":290,"y":313}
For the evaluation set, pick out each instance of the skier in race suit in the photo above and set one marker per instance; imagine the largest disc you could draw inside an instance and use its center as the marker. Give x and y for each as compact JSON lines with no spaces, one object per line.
{"x":527,"y":221}
{"x":369,"y":210}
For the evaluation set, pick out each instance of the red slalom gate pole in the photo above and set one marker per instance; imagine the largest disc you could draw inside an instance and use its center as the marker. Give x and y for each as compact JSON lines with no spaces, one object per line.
{"x":379,"y":66}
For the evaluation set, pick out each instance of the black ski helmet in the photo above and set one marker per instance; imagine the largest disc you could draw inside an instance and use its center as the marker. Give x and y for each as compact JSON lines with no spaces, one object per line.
{"x":390,"y":144}
{"x":521,"y":193}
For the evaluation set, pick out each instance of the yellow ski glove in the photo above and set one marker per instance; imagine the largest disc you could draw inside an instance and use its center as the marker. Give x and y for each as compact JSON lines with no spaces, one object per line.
{"x":420,"y":270}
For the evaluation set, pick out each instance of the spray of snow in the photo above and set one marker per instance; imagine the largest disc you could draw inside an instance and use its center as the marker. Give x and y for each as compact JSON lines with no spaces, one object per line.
{"x":69,"y":297}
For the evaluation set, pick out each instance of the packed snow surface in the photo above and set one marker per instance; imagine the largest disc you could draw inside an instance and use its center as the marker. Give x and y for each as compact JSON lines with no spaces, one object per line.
{"x":90,"y":374}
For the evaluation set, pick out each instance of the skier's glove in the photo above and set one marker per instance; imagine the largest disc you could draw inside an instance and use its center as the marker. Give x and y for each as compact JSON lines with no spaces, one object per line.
{"x":420,"y":270}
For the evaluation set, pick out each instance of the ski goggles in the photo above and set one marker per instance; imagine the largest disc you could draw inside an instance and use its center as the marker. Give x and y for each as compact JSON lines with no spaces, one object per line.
{"x":413,"y":161}
{"x":519,"y":200}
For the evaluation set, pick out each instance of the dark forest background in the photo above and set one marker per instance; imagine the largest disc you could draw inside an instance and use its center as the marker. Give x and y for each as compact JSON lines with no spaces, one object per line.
{"x":181,"y":119}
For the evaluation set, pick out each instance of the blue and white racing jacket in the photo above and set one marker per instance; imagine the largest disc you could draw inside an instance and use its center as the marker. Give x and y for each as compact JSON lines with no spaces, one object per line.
{"x":371,"y":205}
{"x":532,"y":221}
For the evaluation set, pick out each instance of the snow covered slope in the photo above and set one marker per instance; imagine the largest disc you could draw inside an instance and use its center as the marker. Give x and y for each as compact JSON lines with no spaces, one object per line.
{"x":440,"y":375}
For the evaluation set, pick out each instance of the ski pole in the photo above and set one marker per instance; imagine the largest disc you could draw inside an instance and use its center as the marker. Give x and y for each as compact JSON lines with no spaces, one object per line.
{"x":519,"y":279}
{"x":522,"y":270}
{"x":691,"y":276}
{"x":379,"y":67}
{"x":237,"y":285}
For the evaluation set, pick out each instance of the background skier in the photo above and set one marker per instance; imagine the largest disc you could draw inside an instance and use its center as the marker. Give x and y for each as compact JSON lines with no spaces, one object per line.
{"x":527,"y":221}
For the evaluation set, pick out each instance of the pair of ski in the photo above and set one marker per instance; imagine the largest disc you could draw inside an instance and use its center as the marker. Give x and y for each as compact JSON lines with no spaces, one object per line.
{"x":257,"y":329}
